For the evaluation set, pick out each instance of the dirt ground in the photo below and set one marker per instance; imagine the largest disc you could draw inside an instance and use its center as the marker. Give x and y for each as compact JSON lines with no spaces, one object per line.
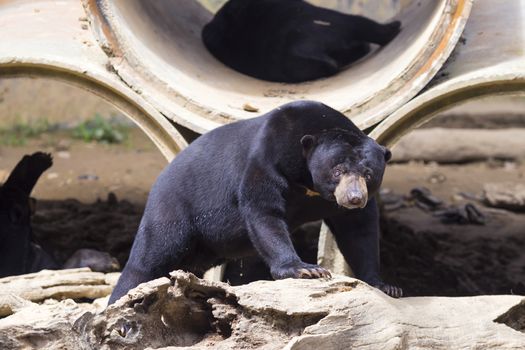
{"x":428,"y":257}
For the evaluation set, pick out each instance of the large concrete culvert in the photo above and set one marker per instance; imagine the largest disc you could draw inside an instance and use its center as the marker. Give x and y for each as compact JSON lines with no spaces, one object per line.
{"x":156,"y":49}
{"x":51,"y":39}
{"x":490,"y":63}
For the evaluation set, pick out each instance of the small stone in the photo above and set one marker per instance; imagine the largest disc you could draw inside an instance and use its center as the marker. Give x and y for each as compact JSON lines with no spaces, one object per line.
{"x":63,"y":145}
{"x":88,"y":177}
{"x":248,"y":107}
{"x":437,"y":178}
{"x":64,"y":155}
{"x":4,"y":174}
{"x":505,"y":195}
{"x":51,"y":176}
{"x":509,"y":166}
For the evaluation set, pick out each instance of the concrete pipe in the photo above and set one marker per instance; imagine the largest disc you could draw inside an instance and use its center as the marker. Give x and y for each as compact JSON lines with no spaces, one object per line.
{"x":489,"y":61}
{"x":155,"y":47}
{"x":51,"y":39}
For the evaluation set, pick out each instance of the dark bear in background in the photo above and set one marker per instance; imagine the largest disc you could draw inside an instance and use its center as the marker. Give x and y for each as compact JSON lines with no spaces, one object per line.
{"x":290,"y":41}
{"x":19,"y":254}
{"x":240,"y":190}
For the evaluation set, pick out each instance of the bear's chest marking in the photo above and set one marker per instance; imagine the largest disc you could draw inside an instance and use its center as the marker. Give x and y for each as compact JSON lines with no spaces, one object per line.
{"x":311,"y":193}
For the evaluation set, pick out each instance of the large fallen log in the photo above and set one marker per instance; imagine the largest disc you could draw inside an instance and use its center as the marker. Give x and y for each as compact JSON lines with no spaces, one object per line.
{"x":341,"y":313}
{"x":460,"y":145}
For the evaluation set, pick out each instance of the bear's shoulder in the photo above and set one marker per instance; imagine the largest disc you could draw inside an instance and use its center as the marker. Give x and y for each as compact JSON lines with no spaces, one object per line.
{"x":306,"y":117}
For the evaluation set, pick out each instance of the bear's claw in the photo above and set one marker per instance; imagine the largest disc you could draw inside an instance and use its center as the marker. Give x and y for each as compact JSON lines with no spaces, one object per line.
{"x":392,"y":291}
{"x":300,"y":270}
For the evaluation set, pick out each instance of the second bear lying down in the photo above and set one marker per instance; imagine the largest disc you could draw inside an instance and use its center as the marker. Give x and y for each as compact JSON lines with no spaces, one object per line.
{"x":291,"y":41}
{"x":242,"y":188}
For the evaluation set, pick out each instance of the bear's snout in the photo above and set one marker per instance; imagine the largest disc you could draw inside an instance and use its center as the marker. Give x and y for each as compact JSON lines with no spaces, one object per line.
{"x":351,"y":192}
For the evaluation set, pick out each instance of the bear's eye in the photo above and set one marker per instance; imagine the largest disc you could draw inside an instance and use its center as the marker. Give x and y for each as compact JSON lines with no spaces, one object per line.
{"x":337,"y":173}
{"x":368,"y":175}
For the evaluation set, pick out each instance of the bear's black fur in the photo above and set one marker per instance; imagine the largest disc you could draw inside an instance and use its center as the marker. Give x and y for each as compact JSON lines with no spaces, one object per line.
{"x":19,"y":253}
{"x":290,"y":40}
{"x":241,"y":188}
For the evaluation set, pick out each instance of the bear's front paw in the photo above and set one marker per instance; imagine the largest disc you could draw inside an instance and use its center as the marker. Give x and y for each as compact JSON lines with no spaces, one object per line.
{"x":393,"y":291}
{"x":300,"y":270}
{"x":40,"y":161}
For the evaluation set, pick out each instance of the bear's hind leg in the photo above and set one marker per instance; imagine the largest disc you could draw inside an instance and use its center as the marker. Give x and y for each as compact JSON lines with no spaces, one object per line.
{"x":158,"y":249}
{"x":370,"y":31}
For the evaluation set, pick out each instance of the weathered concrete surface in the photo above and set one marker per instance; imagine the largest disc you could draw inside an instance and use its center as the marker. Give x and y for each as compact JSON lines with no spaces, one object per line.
{"x":475,"y":69}
{"x":341,"y":313}
{"x":52,"y":39}
{"x":174,"y":75}
{"x":460,"y":145}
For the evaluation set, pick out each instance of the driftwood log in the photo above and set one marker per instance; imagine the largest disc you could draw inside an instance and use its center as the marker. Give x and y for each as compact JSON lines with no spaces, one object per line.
{"x":186,"y":312}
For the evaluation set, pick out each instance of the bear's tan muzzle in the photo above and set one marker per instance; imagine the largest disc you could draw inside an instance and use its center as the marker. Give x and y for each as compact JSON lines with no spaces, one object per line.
{"x":351,"y":192}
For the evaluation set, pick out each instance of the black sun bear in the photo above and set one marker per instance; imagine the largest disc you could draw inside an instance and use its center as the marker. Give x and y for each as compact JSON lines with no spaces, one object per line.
{"x":291,"y":41}
{"x":240,"y":190}
{"x":19,"y":253}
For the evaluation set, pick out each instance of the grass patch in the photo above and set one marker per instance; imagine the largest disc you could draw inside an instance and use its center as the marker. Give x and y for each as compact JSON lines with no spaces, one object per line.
{"x":95,"y":129}
{"x":101,"y":130}
{"x":17,"y":134}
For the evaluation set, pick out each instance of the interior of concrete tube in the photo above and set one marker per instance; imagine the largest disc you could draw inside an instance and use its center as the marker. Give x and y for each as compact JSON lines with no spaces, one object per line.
{"x":161,"y":41}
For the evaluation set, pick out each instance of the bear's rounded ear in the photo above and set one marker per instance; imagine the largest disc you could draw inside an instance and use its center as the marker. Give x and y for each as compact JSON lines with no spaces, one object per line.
{"x":388,"y":154}
{"x":308,"y":142}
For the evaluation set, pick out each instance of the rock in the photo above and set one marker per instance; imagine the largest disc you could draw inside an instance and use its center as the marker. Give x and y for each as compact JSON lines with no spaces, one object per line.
{"x":4,"y":174}
{"x":52,"y":176}
{"x":248,"y":107}
{"x":460,"y":145}
{"x":340,"y":313}
{"x":10,"y":303}
{"x":505,"y":195}
{"x":48,"y":326}
{"x":63,"y":154}
{"x":59,"y":284}
{"x":94,"y":259}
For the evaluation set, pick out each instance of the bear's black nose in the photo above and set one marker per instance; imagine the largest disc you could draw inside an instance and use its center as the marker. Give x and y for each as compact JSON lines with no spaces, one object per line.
{"x":356,"y":200}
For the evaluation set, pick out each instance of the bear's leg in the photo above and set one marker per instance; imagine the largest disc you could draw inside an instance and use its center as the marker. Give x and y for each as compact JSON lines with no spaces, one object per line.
{"x":158,"y":249}
{"x":270,"y":237}
{"x":370,"y":31}
{"x":350,"y":52}
{"x":357,"y":235}
{"x":308,"y":62}
{"x":263,"y":209}
{"x":26,"y":173}
{"x":272,"y":241}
